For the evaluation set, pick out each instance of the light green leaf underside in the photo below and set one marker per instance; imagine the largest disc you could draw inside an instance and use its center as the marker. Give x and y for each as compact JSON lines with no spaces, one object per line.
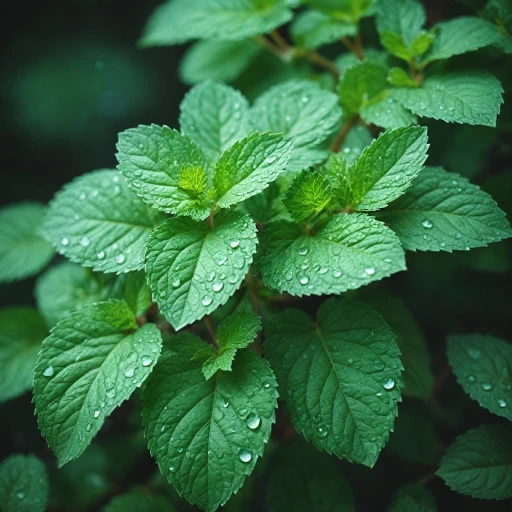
{"x":248,"y":166}
{"x":356,"y":140}
{"x":23,"y":252}
{"x":192,"y":270}
{"x":442,"y":211}
{"x":412,"y":498}
{"x":22,"y":330}
{"x":479,"y":463}
{"x":23,"y":484}
{"x":348,"y":252}
{"x":386,"y":168}
{"x":139,"y":500}
{"x":214,"y":116}
{"x":207,"y":435}
{"x":483,"y":366}
{"x":470,"y":97}
{"x":339,"y":377}
{"x":387,"y":113}
{"x":97,"y":221}
{"x":179,"y":21}
{"x":91,"y":363}
{"x":217,"y":60}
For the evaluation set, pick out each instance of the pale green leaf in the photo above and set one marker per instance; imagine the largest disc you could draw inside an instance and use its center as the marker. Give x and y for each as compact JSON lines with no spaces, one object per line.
{"x":217,"y":60}
{"x":97,"y":221}
{"x":23,"y":484}
{"x":387,"y":112}
{"x":479,"y":463}
{"x":400,"y":78}
{"x":214,"y":116}
{"x":442,"y":211}
{"x":193,"y":269}
{"x":348,"y":252}
{"x":249,"y":166}
{"x":483,"y":367}
{"x":23,"y":252}
{"x":22,"y":330}
{"x":207,"y":435}
{"x":471,"y":97}
{"x":356,"y":140}
{"x":412,"y":498}
{"x":346,"y":10}
{"x":91,"y":363}
{"x":339,"y":377}
{"x":179,"y":21}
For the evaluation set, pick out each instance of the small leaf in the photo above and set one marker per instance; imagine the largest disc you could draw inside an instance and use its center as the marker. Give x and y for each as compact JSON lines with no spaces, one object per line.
{"x":348,"y":252}
{"x":22,"y":330}
{"x":471,"y":97}
{"x":351,"y":11}
{"x":192,"y":270}
{"x":134,"y":289}
{"x":442,"y":211}
{"x":483,"y":366}
{"x":207,"y":435}
{"x":479,"y":463}
{"x":97,"y":221}
{"x":412,"y":498}
{"x":214,"y":116}
{"x":399,"y":78}
{"x":309,"y":194}
{"x":151,"y":158}
{"x":339,"y":376}
{"x":235,"y":332}
{"x":249,"y":166}
{"x":23,"y":252}
{"x":23,"y":484}
{"x":91,"y":363}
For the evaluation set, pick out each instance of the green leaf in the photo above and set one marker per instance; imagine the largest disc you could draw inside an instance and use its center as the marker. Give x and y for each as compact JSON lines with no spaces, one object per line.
{"x":151,"y":159}
{"x":235,"y":332}
{"x":179,"y":21}
{"x":348,"y":252}
{"x":22,"y":331}
{"x":300,"y":109}
{"x":442,"y":211}
{"x":193,"y":269}
{"x":23,"y":252}
{"x":23,"y":484}
{"x":356,"y":140}
{"x":138,"y":500}
{"x":97,"y":221}
{"x":312,"y":29}
{"x":214,"y":116}
{"x":207,"y":435}
{"x":266,"y":205}
{"x":412,"y":498}
{"x":483,"y":366}
{"x":471,"y":97}
{"x":91,"y":363}
{"x":305,"y":479}
{"x":479,"y":463}
{"x":400,"y":78}
{"x":217,"y":60}
{"x":249,"y":166}
{"x":339,"y":377}
{"x":346,"y":10}
{"x":387,"y":112}
{"x":309,"y":194}
{"x":386,"y":168}
{"x":462,"y":35}
{"x":135,"y":291}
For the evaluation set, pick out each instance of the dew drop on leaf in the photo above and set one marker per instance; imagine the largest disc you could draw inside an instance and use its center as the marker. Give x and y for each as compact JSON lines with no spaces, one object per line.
{"x":48,"y":371}
{"x":388,"y":384}
{"x":486,"y":386}
{"x":129,"y":372}
{"x":245,"y":455}
{"x":253,"y":421}
{"x":502,"y":403}
{"x":147,"y":360}
{"x":426,"y":223}
{"x":64,"y":241}
{"x":206,"y":300}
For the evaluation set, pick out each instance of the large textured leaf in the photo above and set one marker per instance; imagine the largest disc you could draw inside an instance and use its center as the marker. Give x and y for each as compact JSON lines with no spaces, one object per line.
{"x":249,"y":166}
{"x":470,"y":97}
{"x":23,"y":252}
{"x":97,"y":221}
{"x":442,"y":211}
{"x":192,"y":270}
{"x":348,"y":252}
{"x":479,"y":463}
{"x":23,"y":484}
{"x":483,"y":366}
{"x":339,"y":377}
{"x":91,"y":363}
{"x":214,"y":116}
{"x":22,"y":330}
{"x":178,"y":21}
{"x":387,"y":112}
{"x":207,"y":435}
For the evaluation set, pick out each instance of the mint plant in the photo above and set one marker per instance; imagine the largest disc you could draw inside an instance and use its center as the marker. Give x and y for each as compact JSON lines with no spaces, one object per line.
{"x":234,"y":272}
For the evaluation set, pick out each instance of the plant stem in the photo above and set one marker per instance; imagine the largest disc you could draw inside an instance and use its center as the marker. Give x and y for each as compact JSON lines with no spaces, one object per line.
{"x":345,"y":128}
{"x":279,"y":40}
{"x":356,"y":46}
{"x":320,"y":60}
{"x":211,"y":331}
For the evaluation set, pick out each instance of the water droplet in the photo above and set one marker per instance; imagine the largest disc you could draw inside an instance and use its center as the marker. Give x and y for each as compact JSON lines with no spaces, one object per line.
{"x":253,"y":421}
{"x":266,"y":385}
{"x":20,"y":495}
{"x":426,"y":223}
{"x":370,"y":271}
{"x":176,"y":281}
{"x":304,"y":99}
{"x":120,"y":258}
{"x":270,"y":159}
{"x":336,"y":272}
{"x":146,"y":360}
{"x":303,"y":251}
{"x":217,"y":286}
{"x":388,"y":383}
{"x":218,"y":415}
{"x":84,"y":242}
{"x":474,"y":353}
{"x":303,"y":279}
{"x":48,"y":371}
{"x":82,"y":196}
{"x":101,"y":255}
{"x":322,"y":431}
{"x":234,"y":243}
{"x":502,"y":403}
{"x":163,"y":294}
{"x":225,"y":404}
{"x":245,"y":455}
{"x":487,"y":386}
{"x":129,"y":372}
{"x":64,"y":241}
{"x":89,"y":427}
{"x":180,"y":449}
{"x":379,"y":365}
{"x":206,"y":300}
{"x":172,"y":469}
{"x":97,"y":412}
{"x":471,"y":378}
{"x":458,"y":235}
{"x":221,"y":259}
